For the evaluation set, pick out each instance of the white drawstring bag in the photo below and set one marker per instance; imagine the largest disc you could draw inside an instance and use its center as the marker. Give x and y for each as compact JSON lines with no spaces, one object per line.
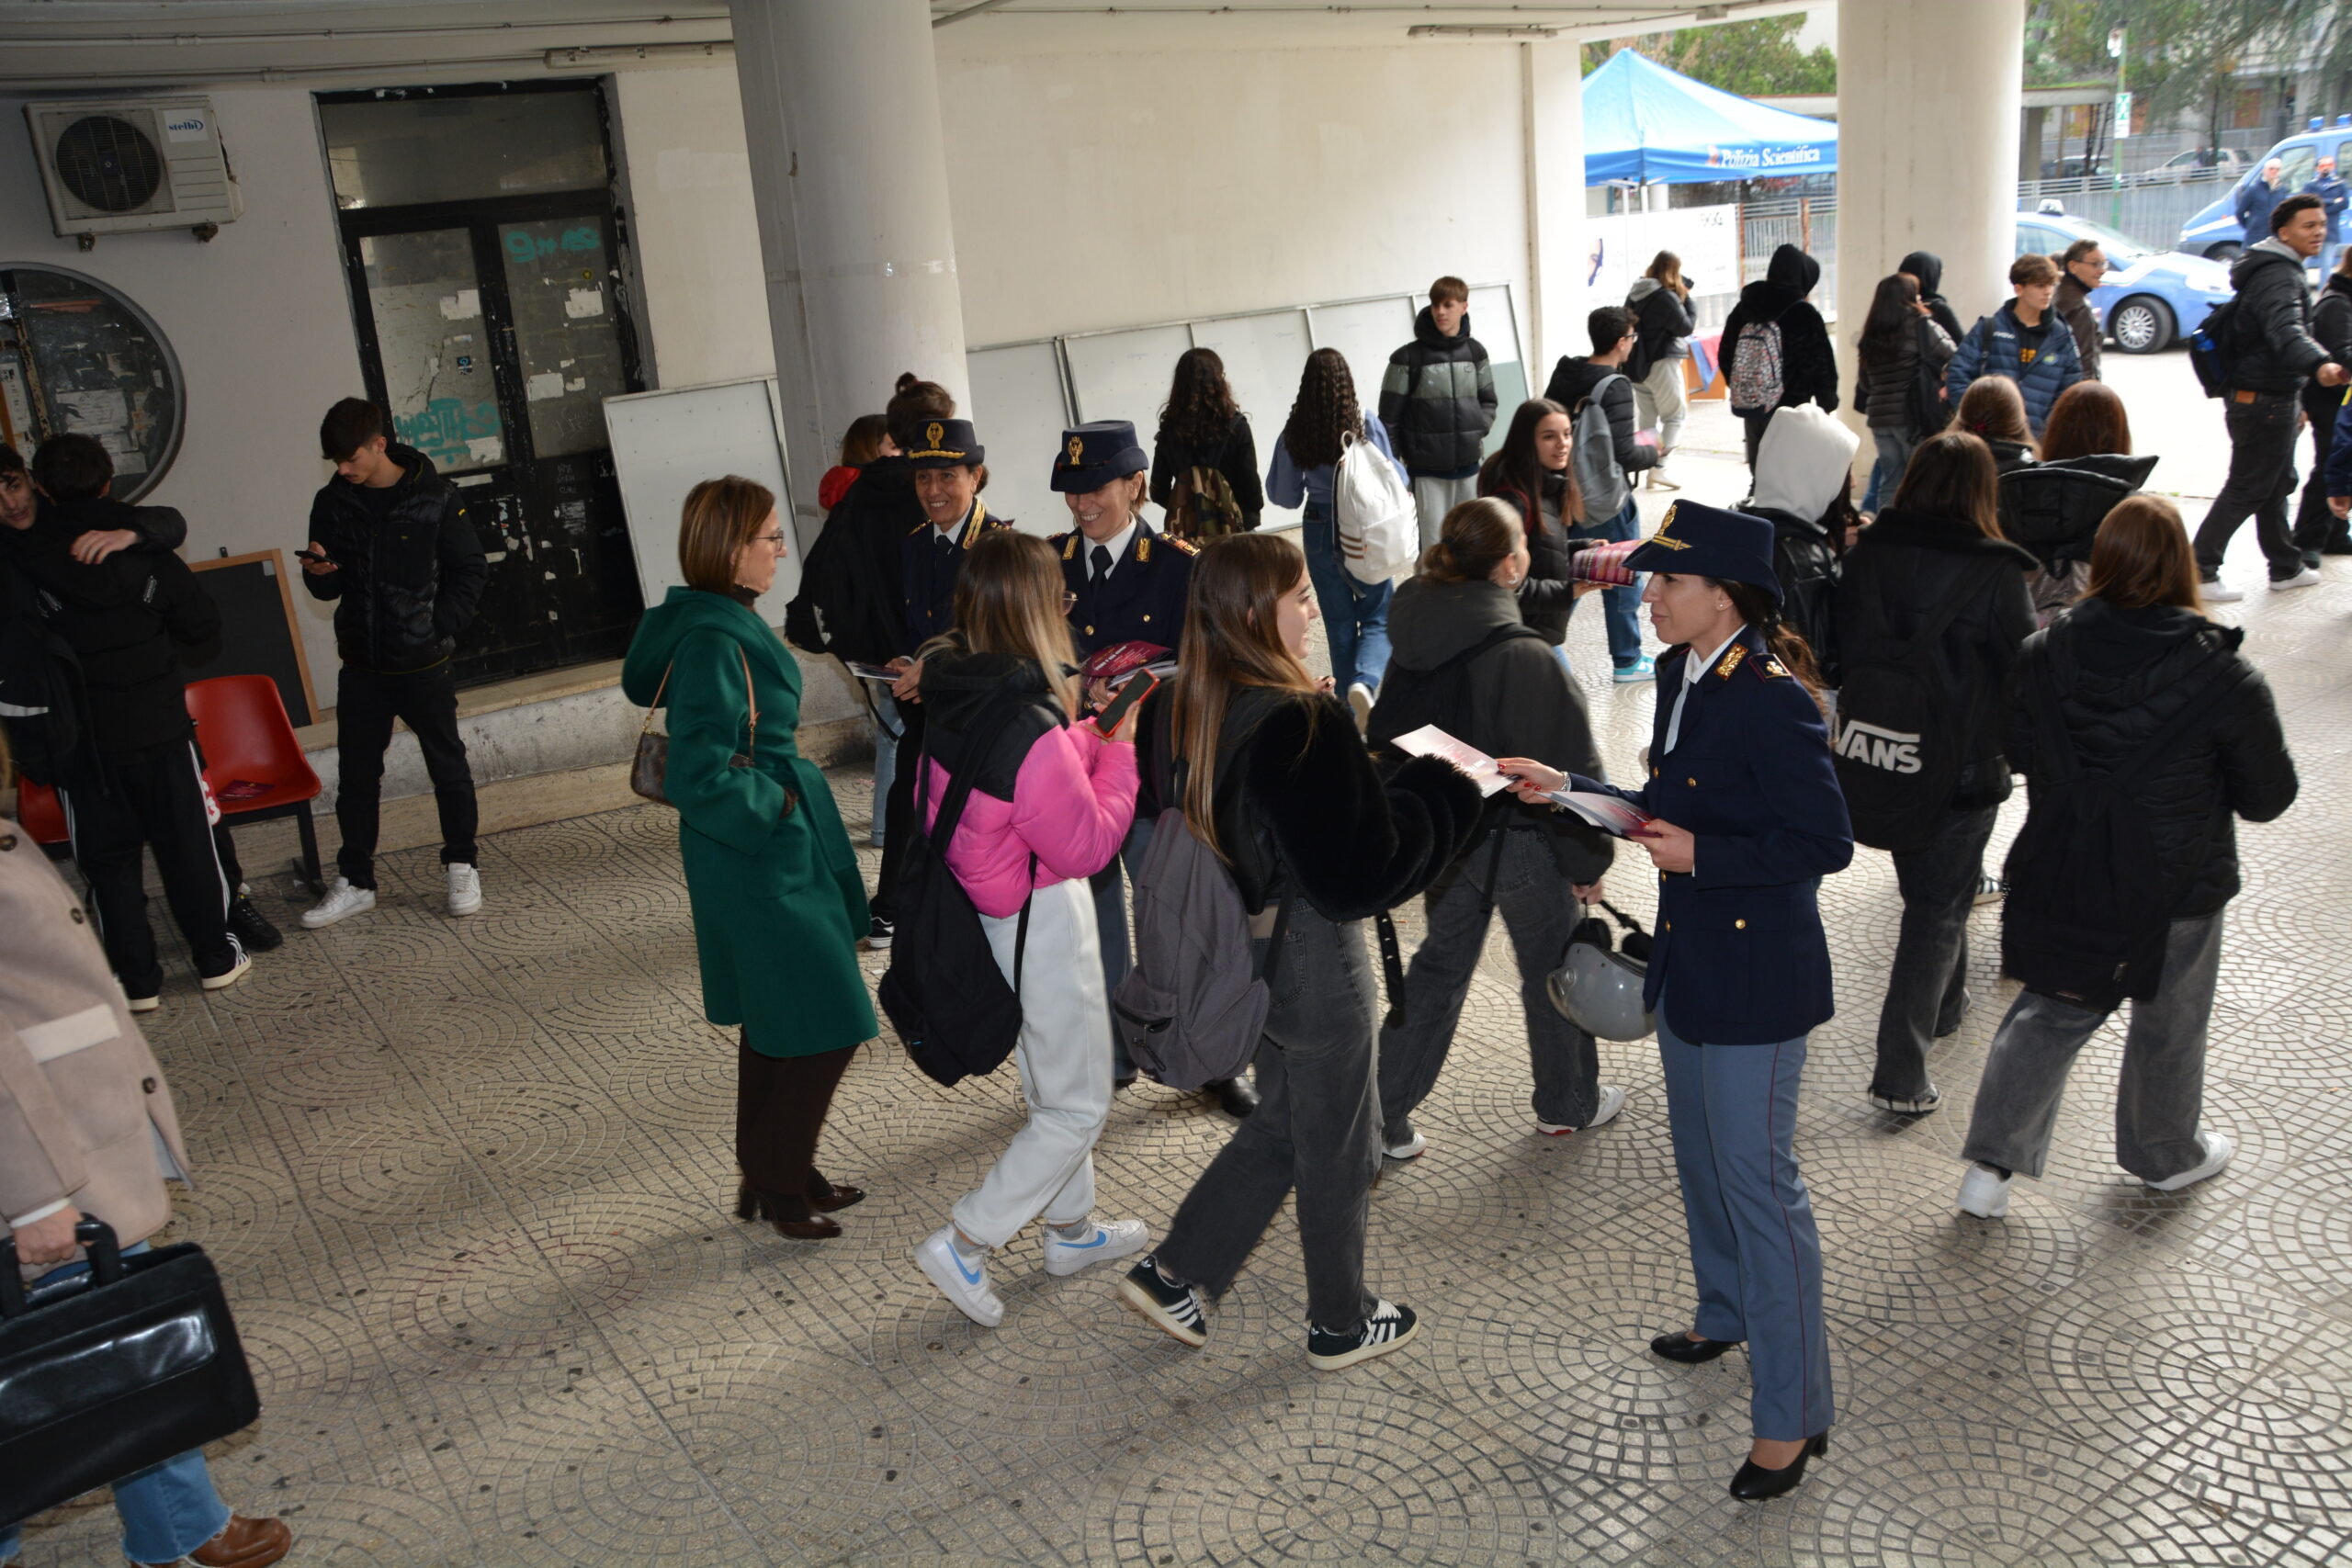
{"x":1379,"y":527}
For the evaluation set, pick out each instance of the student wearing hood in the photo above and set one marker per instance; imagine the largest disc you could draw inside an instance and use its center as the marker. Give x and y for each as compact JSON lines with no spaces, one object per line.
{"x":1929,"y":268}
{"x":1808,"y":364}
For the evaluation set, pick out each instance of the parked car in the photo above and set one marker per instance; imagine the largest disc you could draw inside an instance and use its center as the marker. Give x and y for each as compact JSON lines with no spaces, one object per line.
{"x":2074,"y":166}
{"x":2214,"y":232}
{"x":2150,"y":297}
{"x":2197,"y":164}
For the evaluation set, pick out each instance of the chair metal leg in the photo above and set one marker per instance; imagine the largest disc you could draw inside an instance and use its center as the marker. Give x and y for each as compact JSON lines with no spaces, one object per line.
{"x":308,"y":867}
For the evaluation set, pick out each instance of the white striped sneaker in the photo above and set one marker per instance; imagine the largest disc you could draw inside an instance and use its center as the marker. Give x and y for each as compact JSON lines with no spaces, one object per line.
{"x":1389,"y":1327}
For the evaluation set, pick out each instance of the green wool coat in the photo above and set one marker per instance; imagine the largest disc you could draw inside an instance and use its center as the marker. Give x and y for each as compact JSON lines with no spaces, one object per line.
{"x":778,"y":903}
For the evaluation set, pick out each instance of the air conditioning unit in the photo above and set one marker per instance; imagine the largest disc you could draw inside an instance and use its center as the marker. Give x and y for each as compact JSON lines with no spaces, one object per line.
{"x":116,"y":167}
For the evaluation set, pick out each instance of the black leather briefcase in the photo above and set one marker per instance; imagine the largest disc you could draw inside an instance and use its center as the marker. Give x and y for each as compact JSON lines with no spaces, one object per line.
{"x":103,"y":1376}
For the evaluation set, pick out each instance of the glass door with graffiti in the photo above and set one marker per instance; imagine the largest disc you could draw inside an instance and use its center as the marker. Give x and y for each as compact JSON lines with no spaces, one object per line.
{"x":493,"y":327}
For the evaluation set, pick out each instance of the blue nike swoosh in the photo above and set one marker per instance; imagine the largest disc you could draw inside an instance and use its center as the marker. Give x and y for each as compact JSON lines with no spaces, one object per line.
{"x":971,"y":1276}
{"x":1099,"y":1238}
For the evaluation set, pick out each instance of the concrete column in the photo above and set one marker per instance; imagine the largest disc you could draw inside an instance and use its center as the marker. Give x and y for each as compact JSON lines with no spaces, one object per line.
{"x":849,"y":174}
{"x":1552,"y":134}
{"x":1927,"y":108}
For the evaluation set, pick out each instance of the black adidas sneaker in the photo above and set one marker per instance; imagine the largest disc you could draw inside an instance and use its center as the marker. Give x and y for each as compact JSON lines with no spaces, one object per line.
{"x":1175,"y":1309}
{"x":1389,"y":1327}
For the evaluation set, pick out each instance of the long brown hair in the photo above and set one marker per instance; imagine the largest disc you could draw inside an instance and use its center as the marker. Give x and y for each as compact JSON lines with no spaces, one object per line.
{"x":1666,"y":267}
{"x":1513,"y":468}
{"x":2141,"y":555}
{"x":1232,"y":639}
{"x":1325,"y":411}
{"x":2087,"y":420}
{"x":1009,"y":601}
{"x":1476,"y":538}
{"x":1951,"y":475}
{"x":1994,"y":410}
{"x":1200,"y":406}
{"x":720,"y":518}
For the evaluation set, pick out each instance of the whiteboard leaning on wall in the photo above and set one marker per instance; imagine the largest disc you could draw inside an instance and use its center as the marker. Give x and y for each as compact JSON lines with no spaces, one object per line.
{"x":666,"y":442}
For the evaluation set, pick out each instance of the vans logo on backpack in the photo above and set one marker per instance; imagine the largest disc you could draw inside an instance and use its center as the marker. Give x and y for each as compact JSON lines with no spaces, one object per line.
{"x":1876,"y":747}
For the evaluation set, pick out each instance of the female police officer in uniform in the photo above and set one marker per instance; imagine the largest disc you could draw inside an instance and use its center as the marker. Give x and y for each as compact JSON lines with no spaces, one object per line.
{"x":1748,"y":819}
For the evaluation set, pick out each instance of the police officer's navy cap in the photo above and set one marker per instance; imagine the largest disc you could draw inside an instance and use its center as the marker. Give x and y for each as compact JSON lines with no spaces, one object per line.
{"x":1095,"y":452}
{"x":1699,"y":540}
{"x":947,"y":444}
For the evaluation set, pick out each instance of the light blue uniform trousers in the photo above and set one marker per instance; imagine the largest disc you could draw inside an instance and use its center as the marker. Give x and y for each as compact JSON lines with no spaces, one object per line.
{"x":1754,"y":1251}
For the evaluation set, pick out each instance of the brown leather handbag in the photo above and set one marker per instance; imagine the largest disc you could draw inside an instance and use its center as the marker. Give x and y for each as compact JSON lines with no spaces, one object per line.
{"x":649,"y":770}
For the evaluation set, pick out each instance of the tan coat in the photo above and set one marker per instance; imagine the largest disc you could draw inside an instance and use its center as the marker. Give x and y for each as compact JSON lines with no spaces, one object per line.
{"x":85,"y":1114}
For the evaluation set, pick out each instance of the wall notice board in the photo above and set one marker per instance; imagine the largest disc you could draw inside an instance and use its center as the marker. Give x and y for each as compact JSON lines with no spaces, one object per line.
{"x":258,"y":633}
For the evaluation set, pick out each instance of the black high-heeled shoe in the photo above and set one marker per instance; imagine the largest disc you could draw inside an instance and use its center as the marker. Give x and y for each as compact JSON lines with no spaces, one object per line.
{"x":750,"y":1203}
{"x":1754,"y":1483}
{"x":1680,"y":1347}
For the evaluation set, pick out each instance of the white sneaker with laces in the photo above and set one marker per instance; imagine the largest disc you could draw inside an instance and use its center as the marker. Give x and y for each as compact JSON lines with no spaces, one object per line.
{"x":1104,"y":1240}
{"x":2217,"y":1150}
{"x":2302,"y":579}
{"x":231,"y":974}
{"x":1612,"y":1100}
{"x":1409,"y":1149}
{"x":341,"y":902}
{"x":965,"y":1284}
{"x":1984,"y":1192}
{"x":2217,"y":592}
{"x":465,"y":888}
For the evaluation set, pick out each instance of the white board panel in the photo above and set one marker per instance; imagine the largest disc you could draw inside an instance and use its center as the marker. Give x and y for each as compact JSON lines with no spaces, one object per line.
{"x":666,"y":442}
{"x":1263,"y":356}
{"x":1493,"y":323}
{"x":1126,"y":375}
{"x":1018,"y":410}
{"x":1366,"y":332}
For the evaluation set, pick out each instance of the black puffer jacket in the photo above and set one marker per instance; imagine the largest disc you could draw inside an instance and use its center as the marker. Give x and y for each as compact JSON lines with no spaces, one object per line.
{"x":2053,"y":509}
{"x":129,"y":619}
{"x":407,"y":585}
{"x":1547,"y":598}
{"x":2120,"y":675}
{"x":1808,"y":365}
{"x":1517,"y":701}
{"x":1300,"y":805}
{"x":1437,"y":398}
{"x":2331,"y":327}
{"x":2273,"y":349}
{"x":1929,"y":268}
{"x":1911,"y":563}
{"x":1662,"y":320}
{"x":852,"y":595}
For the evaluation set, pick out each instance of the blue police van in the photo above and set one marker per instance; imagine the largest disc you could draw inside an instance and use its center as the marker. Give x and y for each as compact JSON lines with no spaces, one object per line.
{"x":2214,"y":232}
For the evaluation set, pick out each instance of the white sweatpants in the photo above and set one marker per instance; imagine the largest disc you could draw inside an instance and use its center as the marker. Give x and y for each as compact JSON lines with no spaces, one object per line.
{"x":1064,"y":1054}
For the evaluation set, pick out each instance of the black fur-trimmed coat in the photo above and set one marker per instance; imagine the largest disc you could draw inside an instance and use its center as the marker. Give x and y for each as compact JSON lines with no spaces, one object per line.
{"x":1300,"y":805}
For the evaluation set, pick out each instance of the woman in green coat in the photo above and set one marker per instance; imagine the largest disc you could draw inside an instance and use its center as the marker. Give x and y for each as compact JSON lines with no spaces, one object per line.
{"x":777,"y":900}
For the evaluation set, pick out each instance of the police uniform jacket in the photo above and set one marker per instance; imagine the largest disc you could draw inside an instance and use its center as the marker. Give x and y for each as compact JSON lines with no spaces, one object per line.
{"x":928,"y":572}
{"x":1740,"y":958}
{"x":1142,"y":600}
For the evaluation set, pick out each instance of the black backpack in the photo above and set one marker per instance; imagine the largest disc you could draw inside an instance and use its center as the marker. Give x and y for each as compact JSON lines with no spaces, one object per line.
{"x":943,"y":991}
{"x":1898,"y":749}
{"x":2090,"y":901}
{"x":43,"y":699}
{"x":2212,"y":348}
{"x":1807,"y":568}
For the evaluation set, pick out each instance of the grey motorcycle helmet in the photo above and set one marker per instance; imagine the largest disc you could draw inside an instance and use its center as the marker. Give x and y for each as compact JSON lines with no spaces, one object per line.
{"x":1597,"y":986}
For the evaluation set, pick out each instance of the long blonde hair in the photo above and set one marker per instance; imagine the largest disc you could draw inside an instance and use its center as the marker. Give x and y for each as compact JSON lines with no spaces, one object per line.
{"x":1232,"y":639}
{"x":1009,"y":601}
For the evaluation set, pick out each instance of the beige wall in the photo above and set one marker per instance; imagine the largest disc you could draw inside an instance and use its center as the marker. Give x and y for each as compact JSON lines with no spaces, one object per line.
{"x":1099,"y":191}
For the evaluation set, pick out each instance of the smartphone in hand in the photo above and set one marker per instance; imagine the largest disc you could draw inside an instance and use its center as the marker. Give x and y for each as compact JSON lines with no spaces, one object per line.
{"x":1138,"y":687}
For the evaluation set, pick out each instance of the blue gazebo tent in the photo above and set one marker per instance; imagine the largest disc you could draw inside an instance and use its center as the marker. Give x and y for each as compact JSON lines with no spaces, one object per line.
{"x":1646,"y":123}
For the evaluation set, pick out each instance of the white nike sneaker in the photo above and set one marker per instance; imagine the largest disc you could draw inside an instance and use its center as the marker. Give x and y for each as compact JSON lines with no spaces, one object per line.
{"x":1984,"y":1192}
{"x":2217,"y":1150}
{"x":341,"y":902}
{"x":965,"y":1284}
{"x":465,"y":889}
{"x":1105,"y":1240}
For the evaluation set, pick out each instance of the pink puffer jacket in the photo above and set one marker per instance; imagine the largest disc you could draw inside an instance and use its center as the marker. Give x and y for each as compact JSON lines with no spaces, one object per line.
{"x":1073,"y":800}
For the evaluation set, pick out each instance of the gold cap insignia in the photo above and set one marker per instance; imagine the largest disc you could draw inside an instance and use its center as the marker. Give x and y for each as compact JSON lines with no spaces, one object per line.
{"x":933,"y":432}
{"x":1077,"y":448}
{"x":1660,"y":537}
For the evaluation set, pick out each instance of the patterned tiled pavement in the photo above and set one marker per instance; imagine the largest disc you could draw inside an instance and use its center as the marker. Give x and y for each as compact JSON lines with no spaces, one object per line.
{"x":469,"y":1184}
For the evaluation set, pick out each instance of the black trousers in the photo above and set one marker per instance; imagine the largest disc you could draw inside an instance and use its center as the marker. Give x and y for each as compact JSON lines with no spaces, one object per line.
{"x":2261,"y":478}
{"x":426,"y":701}
{"x":899,"y":809}
{"x":2317,"y":528}
{"x":780,"y":1106}
{"x":151,"y":799}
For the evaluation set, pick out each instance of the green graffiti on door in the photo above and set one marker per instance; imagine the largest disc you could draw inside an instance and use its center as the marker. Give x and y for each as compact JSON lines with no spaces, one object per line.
{"x":443,"y":429}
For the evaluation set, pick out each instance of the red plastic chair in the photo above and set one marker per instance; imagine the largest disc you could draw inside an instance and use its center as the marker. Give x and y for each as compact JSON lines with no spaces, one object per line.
{"x":248,"y":742}
{"x":38,"y":814}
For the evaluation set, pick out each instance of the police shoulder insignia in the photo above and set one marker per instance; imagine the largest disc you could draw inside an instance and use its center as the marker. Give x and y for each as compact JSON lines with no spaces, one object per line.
{"x":1186,"y":546}
{"x":1731,"y":661}
{"x":1772,"y":669}
{"x":1143,"y":546}
{"x":916,"y":529}
{"x":1068,"y":543}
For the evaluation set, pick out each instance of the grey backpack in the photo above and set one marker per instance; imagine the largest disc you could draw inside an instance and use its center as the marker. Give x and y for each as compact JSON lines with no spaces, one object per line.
{"x":1190,"y":1011}
{"x":1593,"y":452}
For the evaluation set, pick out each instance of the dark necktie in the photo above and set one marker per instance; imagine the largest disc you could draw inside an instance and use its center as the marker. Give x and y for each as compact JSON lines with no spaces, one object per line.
{"x":942,"y":545}
{"x":1102,"y":559}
